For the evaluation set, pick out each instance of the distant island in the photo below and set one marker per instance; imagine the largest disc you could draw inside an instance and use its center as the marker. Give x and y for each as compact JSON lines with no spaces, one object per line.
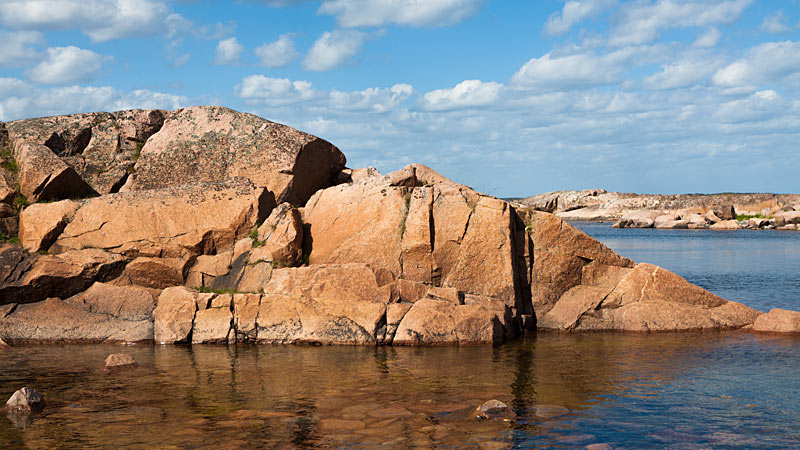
{"x":679,"y":211}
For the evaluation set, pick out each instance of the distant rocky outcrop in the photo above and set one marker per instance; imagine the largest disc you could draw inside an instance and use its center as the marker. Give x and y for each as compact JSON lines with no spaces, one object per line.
{"x":206,"y":225}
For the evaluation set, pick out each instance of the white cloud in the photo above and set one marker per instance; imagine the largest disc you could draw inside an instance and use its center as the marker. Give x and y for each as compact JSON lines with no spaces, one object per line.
{"x":372,"y":99}
{"x":775,"y":23}
{"x":708,"y":39}
{"x":681,"y":74}
{"x":642,"y":22}
{"x":101,"y":20}
{"x":277,"y":53}
{"x":19,"y":48}
{"x":178,"y":25}
{"x":376,"y":13}
{"x":759,"y":106}
{"x":332,"y":49}
{"x":229,"y":51}
{"x":279,"y":91}
{"x":181,"y":60}
{"x":579,"y":70}
{"x":764,"y":64}
{"x":27,"y":101}
{"x":467,"y":94}
{"x":67,"y":65}
{"x":574,"y":11}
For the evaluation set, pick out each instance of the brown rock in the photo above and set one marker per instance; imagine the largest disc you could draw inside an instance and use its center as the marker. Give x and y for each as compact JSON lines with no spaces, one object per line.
{"x":638,"y":219}
{"x":174,"y":315}
{"x":280,"y":238}
{"x":245,"y":312}
{"x":493,"y":409}
{"x":726,"y":212}
{"x":213,"y":144}
{"x":53,"y":320}
{"x":778,"y":321}
{"x":25,"y":400}
{"x":787,"y":218}
{"x":208,"y":267}
{"x":432,"y":322}
{"x":43,"y":176}
{"x":123,"y":302}
{"x":26,"y":278}
{"x":415,"y":246}
{"x":328,"y":304}
{"x":212,"y":325}
{"x":40,"y":224}
{"x":155,"y":273}
{"x":711,"y":218}
{"x":194,"y":219}
{"x":726,"y":225}
{"x":119,"y":361}
{"x":670,"y":222}
{"x":254,"y":277}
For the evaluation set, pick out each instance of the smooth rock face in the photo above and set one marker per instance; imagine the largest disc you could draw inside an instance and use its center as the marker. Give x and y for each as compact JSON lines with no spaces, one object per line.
{"x":54,"y":320}
{"x":430,"y":322}
{"x":214,"y":144}
{"x":787,"y":218}
{"x":43,"y":176}
{"x":123,"y":302}
{"x":726,"y":225}
{"x":25,"y":400}
{"x":174,"y":315}
{"x":155,"y":273}
{"x":280,"y":238}
{"x":212,"y":325}
{"x":173,"y":222}
{"x":119,"y":361}
{"x":41,"y":223}
{"x":778,"y":321}
{"x":27,"y":278}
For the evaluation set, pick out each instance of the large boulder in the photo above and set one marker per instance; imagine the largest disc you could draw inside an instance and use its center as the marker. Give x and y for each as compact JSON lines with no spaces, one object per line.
{"x":435,"y":322}
{"x":638,"y":219}
{"x":101,"y":148}
{"x":40,"y":224}
{"x":171,"y":222}
{"x":54,"y":320}
{"x":778,"y":321}
{"x":123,"y":302}
{"x":725,"y":212}
{"x":174,"y":315}
{"x":27,"y":278}
{"x":213,"y":144}
{"x":44,"y":176}
{"x":645,"y":298}
{"x":279,"y":238}
{"x":726,"y":225}
{"x":787,"y":218}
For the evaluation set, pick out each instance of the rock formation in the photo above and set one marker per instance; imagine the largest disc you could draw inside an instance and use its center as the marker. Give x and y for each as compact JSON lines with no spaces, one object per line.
{"x":205,"y":225}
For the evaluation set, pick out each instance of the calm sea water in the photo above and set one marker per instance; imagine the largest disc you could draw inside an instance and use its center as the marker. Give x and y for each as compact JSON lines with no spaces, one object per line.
{"x":681,"y":390}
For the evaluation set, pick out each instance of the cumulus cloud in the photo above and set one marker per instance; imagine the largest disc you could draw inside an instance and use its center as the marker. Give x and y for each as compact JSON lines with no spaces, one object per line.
{"x":19,"y":48}
{"x":759,"y":106}
{"x":101,"y":20}
{"x":574,"y":11}
{"x":274,"y":90}
{"x":764,"y":64}
{"x":642,"y":22}
{"x":681,"y":74}
{"x":376,"y":100}
{"x":467,"y":94}
{"x":775,"y":23}
{"x":229,"y":51}
{"x":708,"y":39}
{"x":333,"y":48}
{"x":376,"y":13}
{"x":277,"y":53}
{"x":27,"y":101}
{"x":576,"y":70}
{"x":178,"y":25}
{"x":67,"y":65}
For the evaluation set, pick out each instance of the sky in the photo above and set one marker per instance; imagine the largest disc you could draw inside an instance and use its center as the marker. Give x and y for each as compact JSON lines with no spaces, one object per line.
{"x":511,"y":97}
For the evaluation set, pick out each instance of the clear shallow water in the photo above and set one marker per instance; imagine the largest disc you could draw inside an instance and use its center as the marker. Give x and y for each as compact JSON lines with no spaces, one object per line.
{"x":691,"y":390}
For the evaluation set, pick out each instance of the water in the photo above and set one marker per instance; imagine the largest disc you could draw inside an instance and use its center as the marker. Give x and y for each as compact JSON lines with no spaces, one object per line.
{"x":671,"y":390}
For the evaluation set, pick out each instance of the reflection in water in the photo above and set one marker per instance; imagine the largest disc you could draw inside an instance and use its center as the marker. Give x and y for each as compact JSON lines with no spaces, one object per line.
{"x":705,"y":389}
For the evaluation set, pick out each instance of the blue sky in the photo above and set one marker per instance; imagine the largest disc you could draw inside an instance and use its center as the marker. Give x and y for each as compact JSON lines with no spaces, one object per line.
{"x":510,"y":97}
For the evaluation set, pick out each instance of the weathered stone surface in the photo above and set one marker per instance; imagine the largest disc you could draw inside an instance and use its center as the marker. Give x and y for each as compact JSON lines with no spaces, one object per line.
{"x":726,"y":225}
{"x":119,"y":361}
{"x":123,"y":302}
{"x":53,"y":320}
{"x":100,"y":147}
{"x":43,"y":176}
{"x":646,"y":298}
{"x":778,"y":321}
{"x":25,"y":400}
{"x":280,"y":238}
{"x":212,"y":325}
{"x":174,"y":315}
{"x":638,"y":219}
{"x":493,"y":409}
{"x":787,"y":218}
{"x":40,"y":224}
{"x":213,"y":144}
{"x":711,"y":218}
{"x":245,"y":312}
{"x":670,"y":221}
{"x":432,"y":322}
{"x":156,"y":273}
{"x":725,"y":212}
{"x":193,"y":219}
{"x":328,"y":304}
{"x":26,"y":277}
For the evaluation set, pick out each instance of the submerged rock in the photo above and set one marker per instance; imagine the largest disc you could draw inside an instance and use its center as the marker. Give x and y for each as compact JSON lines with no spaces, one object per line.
{"x":119,"y":361}
{"x":493,"y":409}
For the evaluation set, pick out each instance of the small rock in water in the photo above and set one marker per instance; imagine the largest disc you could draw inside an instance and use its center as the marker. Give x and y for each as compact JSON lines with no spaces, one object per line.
{"x":25,"y":400}
{"x":117,"y":361}
{"x":549,"y":411}
{"x":598,"y":447}
{"x":493,"y":409}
